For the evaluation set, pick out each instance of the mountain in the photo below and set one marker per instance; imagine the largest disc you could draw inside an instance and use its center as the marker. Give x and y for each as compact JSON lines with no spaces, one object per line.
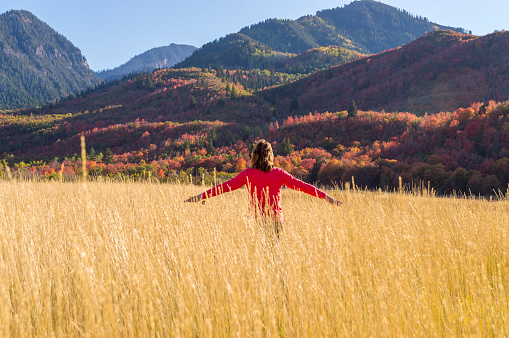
{"x":38,"y":66}
{"x":161,"y":57}
{"x":377,"y":26}
{"x":235,"y":51}
{"x":363,"y":27}
{"x":297,"y":36}
{"x":440,"y":71}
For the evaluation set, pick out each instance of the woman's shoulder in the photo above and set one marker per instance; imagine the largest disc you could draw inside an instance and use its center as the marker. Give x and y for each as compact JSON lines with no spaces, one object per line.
{"x":249,"y":171}
{"x":279,"y":171}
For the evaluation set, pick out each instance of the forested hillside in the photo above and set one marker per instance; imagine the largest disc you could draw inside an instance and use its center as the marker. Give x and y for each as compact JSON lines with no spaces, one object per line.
{"x":235,"y":51}
{"x":173,"y":123}
{"x":377,"y":27}
{"x":165,"y":95}
{"x":317,"y":59}
{"x":38,"y":66}
{"x":297,"y":36}
{"x":441,"y":71}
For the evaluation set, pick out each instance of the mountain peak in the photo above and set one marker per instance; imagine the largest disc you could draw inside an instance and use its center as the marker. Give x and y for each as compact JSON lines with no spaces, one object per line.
{"x":20,"y":13}
{"x":38,"y":65}
{"x":378,"y":26}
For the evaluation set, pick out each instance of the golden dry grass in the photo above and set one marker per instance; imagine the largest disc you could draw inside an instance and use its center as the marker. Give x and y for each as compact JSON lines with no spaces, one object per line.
{"x":130,"y":259}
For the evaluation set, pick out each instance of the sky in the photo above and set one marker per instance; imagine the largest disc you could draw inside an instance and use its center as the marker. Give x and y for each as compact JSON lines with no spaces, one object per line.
{"x":110,"y":32}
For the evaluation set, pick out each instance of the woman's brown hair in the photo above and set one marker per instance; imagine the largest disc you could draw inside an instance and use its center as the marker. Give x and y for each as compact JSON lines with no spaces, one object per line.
{"x":263,"y":156}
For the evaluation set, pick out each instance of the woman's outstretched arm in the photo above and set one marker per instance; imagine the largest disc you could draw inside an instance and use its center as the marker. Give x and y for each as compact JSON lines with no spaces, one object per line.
{"x":333,"y":201}
{"x":296,"y":184}
{"x":235,"y":183}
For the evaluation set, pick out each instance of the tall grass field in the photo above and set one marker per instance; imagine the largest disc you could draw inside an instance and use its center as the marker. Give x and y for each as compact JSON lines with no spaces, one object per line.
{"x":106,"y":259}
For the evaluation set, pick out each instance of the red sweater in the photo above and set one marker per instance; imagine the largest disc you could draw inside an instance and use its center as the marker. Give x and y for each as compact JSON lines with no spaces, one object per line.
{"x":258,"y":182}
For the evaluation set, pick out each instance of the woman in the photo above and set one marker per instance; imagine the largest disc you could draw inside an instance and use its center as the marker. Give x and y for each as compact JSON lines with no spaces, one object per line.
{"x":264,"y":184}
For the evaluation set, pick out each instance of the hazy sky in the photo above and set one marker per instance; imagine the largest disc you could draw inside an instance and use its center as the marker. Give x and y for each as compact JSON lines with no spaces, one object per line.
{"x":110,"y":32}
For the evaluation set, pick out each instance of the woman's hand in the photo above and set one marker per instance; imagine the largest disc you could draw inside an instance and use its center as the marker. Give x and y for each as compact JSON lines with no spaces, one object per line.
{"x":333,"y":201}
{"x":196,"y":198}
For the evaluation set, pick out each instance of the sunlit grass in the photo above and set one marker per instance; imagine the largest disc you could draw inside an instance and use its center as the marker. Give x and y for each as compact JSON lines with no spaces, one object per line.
{"x":131,"y":259}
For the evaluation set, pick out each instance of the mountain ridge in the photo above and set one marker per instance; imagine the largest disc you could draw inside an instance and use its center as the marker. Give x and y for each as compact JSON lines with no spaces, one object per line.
{"x":154,"y":58}
{"x":371,"y":28}
{"x":234,"y":49}
{"x":382,"y":22}
{"x":440,"y":71}
{"x":38,"y":65}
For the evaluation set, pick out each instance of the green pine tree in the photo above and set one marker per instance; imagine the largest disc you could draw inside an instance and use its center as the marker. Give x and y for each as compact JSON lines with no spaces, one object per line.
{"x":227,"y":89}
{"x":108,"y":156}
{"x":150,"y":81}
{"x":352,"y":110}
{"x":211,"y":150}
{"x":286,"y":147}
{"x":234,"y":92}
{"x":192,"y":102}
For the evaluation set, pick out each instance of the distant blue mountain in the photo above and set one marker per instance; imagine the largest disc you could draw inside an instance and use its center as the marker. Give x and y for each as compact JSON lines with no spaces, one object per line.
{"x":161,"y":57}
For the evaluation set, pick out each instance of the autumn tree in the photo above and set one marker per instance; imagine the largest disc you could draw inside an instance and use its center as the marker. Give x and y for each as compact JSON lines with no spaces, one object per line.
{"x":460,"y":179}
{"x":482,"y":109}
{"x":328,"y":144}
{"x":313,"y":175}
{"x":491,"y":185}
{"x":331,"y":172}
{"x":474,"y":184}
{"x":240,"y":164}
{"x":501,"y":169}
